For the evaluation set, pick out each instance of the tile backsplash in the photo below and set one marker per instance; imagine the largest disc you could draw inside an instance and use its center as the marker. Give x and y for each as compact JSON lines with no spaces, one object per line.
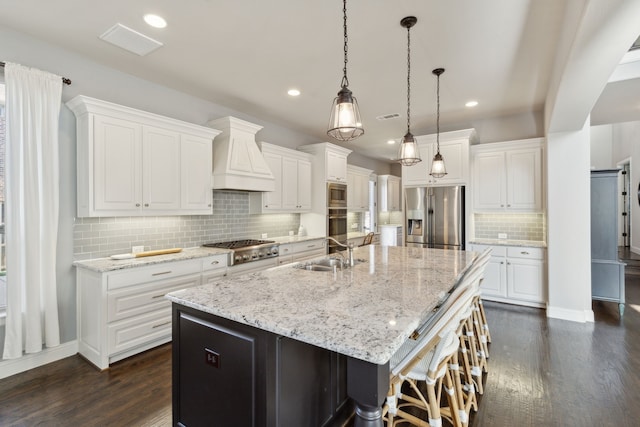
{"x":393,"y":217}
{"x":101,"y":237}
{"x":517,"y":226}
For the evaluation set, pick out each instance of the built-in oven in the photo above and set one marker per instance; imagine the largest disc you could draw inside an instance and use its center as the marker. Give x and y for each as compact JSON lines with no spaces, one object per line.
{"x":337,"y":228}
{"x":336,"y":195}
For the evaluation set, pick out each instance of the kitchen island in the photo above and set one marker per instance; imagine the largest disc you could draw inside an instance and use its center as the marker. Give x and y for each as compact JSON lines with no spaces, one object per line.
{"x":264,"y":348}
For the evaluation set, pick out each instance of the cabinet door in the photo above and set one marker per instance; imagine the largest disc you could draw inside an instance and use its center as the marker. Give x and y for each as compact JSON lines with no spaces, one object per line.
{"x":351,"y":191}
{"x":418,"y":174}
{"x":525,"y":279}
{"x":273,"y":200}
{"x":495,"y":278}
{"x":161,"y":169}
{"x":394,"y":194}
{"x":289,"y":184}
{"x":195,"y":169}
{"x":336,"y":167}
{"x":524,"y":183}
{"x":117,"y":161}
{"x":456,"y":161}
{"x":489,"y":184}
{"x":304,"y":185}
{"x":362,"y":192}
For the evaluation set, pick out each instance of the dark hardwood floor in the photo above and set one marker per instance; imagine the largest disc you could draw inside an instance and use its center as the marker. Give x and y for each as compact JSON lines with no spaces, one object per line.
{"x":542,"y":372}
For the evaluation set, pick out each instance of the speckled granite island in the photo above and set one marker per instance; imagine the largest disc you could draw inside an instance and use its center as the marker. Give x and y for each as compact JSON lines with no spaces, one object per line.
{"x":278,"y":348}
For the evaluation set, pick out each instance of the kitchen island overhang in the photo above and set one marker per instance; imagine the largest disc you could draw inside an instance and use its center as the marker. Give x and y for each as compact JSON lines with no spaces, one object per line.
{"x":363,"y":313}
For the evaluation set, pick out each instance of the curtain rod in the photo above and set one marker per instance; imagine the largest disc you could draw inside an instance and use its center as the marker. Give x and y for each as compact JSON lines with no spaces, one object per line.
{"x":64,"y":79}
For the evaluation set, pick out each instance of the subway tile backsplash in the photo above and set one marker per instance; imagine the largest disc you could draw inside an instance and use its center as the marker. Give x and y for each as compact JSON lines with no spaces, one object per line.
{"x":101,"y":237}
{"x":522,"y":226}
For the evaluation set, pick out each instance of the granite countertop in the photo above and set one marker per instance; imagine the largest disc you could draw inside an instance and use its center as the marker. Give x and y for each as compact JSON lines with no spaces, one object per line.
{"x":366,"y":311}
{"x":507,"y":242}
{"x":102,"y":265}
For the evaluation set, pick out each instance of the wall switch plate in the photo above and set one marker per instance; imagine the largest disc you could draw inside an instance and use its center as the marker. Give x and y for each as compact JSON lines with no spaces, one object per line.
{"x":137,"y":249}
{"x":264,"y":236}
{"x":502,"y":235}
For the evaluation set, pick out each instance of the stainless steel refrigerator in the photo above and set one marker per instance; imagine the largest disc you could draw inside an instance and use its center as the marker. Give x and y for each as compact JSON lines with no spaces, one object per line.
{"x":435,"y":217}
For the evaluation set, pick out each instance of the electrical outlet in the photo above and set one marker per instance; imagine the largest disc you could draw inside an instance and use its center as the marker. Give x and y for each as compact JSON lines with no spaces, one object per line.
{"x":264,"y":236}
{"x":502,"y":235}
{"x":137,"y":249}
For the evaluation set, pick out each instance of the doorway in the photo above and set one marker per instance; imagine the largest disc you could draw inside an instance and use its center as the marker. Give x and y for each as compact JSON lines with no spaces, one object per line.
{"x":624,"y":204}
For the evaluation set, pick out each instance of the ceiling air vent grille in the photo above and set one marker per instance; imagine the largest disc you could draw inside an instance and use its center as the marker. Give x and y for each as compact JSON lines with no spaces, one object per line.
{"x":388,"y":116}
{"x":130,"y":40}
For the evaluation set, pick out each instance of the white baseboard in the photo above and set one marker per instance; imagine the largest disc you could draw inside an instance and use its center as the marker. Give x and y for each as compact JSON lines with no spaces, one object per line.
{"x":581,"y":316}
{"x":29,"y":361}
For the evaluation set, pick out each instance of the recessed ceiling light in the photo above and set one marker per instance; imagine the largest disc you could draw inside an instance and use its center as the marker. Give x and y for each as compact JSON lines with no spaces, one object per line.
{"x":155,"y":20}
{"x":471,"y":104}
{"x":391,"y":141}
{"x":293,"y":92}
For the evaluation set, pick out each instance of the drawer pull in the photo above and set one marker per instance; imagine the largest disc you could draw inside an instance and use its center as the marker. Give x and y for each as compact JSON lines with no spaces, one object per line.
{"x":524,"y":253}
{"x":311,"y":246}
{"x":157,"y":296}
{"x":161,"y":273}
{"x":215,"y":262}
{"x":161,"y":324}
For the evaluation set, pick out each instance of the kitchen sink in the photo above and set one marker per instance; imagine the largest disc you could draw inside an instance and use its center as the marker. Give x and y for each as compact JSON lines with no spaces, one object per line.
{"x":325,"y":264}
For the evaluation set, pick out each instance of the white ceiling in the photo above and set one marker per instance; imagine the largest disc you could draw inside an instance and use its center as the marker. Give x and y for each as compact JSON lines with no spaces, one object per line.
{"x":246,"y":55}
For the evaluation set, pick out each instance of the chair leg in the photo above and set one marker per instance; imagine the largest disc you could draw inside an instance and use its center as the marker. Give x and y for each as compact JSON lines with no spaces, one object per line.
{"x":483,"y":316}
{"x":476,"y":369}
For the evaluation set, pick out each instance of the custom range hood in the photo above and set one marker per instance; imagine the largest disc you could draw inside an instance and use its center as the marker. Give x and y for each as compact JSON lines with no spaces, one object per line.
{"x":238,"y":164}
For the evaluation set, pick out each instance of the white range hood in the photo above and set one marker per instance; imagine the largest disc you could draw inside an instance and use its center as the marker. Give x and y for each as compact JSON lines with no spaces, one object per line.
{"x":238,"y":164}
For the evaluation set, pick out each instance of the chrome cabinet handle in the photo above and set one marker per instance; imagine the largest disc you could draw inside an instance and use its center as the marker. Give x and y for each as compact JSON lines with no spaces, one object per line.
{"x":146,"y":205}
{"x":137,"y":205}
{"x":161,"y":324}
{"x":161,"y":273}
{"x":215,"y":262}
{"x":157,"y":296}
{"x":524,"y":253}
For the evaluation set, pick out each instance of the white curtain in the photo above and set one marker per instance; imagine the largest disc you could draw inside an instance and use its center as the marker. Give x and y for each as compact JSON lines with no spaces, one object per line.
{"x":31,"y":181}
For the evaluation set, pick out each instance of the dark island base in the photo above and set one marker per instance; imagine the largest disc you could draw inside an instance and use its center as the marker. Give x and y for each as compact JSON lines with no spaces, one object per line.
{"x":226,"y":373}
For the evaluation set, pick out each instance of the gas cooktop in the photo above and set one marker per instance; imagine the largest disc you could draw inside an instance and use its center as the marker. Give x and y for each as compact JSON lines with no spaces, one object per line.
{"x":247,"y":250}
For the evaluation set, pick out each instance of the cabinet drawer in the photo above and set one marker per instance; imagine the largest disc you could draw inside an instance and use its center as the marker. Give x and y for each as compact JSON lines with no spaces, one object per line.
{"x":215,"y":262}
{"x":132,"y":301}
{"x":525,"y":252}
{"x":139,"y":330}
{"x":496,"y":251}
{"x":285,"y":259}
{"x":309,"y":245}
{"x":154,"y":272}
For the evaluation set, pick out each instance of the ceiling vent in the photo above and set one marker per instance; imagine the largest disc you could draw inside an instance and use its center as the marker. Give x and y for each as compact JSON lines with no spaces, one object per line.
{"x":388,"y":116}
{"x":130,"y":40}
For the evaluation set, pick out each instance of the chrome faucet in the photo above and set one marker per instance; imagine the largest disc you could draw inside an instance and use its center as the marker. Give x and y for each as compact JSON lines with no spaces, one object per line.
{"x":349,"y":247}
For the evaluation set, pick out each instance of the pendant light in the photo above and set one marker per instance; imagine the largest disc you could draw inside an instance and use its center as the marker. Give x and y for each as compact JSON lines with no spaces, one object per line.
{"x":345,"y":123}
{"x":409,"y":153}
{"x":437,"y":167}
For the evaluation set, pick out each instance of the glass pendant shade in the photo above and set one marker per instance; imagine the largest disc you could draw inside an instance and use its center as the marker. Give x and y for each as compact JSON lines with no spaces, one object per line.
{"x":437,"y":167}
{"x":409,"y":152}
{"x":345,"y":123}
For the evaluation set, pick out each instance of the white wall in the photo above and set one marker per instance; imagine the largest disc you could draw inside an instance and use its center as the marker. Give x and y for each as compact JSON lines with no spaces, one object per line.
{"x":569,"y":222}
{"x":602,"y":147}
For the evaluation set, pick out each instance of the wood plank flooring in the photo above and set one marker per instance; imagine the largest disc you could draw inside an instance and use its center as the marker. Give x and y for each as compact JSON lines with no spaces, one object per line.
{"x":542,"y":372}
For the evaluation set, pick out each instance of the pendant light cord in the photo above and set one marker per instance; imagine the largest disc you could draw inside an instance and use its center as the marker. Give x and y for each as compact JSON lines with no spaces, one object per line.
{"x":438,"y":114}
{"x":345,"y":80}
{"x":408,"y":79}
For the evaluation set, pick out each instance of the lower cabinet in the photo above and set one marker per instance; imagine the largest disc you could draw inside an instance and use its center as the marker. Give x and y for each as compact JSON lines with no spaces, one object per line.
{"x":302,"y":251}
{"x":515,"y":274}
{"x":124,"y":312}
{"x":230,"y":374}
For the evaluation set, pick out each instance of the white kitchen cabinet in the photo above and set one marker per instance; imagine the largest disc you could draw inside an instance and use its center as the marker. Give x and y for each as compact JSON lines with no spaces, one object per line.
{"x":301,"y":251}
{"x":328,"y":164}
{"x":515,"y":274}
{"x":391,"y":235}
{"x":124,"y":312}
{"x":454,"y":148}
{"x":508,"y":176}
{"x":292,"y":172}
{"x":389,"y":193}
{"x":357,"y":188}
{"x":133,"y":163}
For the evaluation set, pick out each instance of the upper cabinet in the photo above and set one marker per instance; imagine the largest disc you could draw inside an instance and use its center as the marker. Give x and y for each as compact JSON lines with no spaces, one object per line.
{"x":133,"y":163}
{"x":454,"y":148}
{"x":292,"y":172}
{"x":329,"y":164}
{"x":508,"y":176}
{"x":357,"y":188}
{"x":389,"y":193}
